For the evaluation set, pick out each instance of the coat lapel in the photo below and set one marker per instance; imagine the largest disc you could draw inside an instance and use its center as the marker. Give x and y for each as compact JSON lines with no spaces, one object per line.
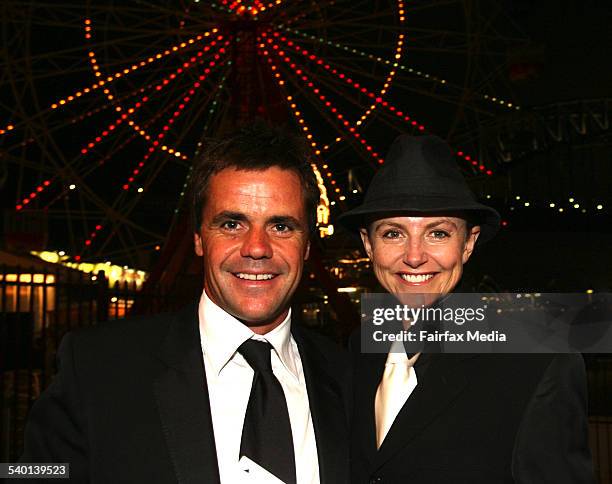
{"x":183,"y":404}
{"x":370,"y":368}
{"x":329,"y":415}
{"x":443,"y":382}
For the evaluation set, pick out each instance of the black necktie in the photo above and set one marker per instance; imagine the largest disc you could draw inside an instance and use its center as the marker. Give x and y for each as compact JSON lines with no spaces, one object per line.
{"x":266,"y":434}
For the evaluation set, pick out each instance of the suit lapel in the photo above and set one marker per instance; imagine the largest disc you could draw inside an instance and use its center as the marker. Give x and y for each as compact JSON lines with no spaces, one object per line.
{"x":183,"y":404}
{"x":327,"y":409}
{"x":370,"y":368}
{"x":443,"y":382}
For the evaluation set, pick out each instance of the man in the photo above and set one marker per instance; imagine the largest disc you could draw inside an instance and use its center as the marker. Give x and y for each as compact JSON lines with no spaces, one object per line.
{"x":452,"y":418}
{"x":228,"y":390}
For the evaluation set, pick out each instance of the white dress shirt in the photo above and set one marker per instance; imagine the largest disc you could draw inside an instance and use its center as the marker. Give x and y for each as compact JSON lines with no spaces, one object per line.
{"x":230,"y":378}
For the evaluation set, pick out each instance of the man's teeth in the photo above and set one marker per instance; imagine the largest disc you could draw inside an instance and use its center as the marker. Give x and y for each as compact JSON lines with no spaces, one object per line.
{"x":416,"y":277}
{"x":254,"y":277}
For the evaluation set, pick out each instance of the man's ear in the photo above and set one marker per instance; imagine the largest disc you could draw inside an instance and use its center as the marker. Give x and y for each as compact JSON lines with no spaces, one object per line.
{"x":197,"y":244}
{"x":366,"y":242}
{"x":470,"y":242}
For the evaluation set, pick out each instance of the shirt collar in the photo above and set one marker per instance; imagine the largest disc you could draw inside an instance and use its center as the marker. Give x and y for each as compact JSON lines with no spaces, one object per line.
{"x":222,"y":334}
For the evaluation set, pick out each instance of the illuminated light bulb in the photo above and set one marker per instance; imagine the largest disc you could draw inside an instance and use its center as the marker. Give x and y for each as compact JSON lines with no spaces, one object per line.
{"x":158,"y":87}
{"x":296,"y":112}
{"x":576,"y":205}
{"x":72,"y":186}
{"x":551,"y":205}
{"x":142,"y":63}
{"x":176,"y":113}
{"x":599,"y":207}
{"x":305,"y":78}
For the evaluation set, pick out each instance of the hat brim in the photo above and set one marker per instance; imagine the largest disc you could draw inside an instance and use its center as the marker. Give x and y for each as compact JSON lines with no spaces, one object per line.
{"x":486,"y":217}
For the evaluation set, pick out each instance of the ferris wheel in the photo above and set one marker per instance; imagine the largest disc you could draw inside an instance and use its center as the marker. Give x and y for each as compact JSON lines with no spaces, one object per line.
{"x":105,"y":104}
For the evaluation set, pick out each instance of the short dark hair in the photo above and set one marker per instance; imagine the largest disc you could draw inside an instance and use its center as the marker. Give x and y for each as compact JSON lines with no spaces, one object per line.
{"x":255,"y":147}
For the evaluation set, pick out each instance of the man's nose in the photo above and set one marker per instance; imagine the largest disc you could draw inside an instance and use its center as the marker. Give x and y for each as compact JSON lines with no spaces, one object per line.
{"x":256,"y":244}
{"x":415,"y":254}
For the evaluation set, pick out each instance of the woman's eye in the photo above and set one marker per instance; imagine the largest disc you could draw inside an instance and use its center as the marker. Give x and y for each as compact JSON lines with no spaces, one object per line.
{"x":391,"y":234}
{"x":439,"y":234}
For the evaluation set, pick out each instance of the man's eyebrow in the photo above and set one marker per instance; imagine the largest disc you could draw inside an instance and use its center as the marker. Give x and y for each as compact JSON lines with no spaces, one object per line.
{"x":241,"y":217}
{"x":228,"y":215}
{"x":286,"y":220}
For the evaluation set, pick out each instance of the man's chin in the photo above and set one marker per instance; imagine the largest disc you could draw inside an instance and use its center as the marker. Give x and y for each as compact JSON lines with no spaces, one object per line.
{"x":260,"y":317}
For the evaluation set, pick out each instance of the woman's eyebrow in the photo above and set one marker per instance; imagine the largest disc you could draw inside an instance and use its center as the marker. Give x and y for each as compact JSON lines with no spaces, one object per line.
{"x":439,"y":222}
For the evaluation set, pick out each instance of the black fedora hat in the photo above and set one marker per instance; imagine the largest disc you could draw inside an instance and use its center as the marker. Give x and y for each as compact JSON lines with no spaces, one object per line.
{"x":420,"y":175}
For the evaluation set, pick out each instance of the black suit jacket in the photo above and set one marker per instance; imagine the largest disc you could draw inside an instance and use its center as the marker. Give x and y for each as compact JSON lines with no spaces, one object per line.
{"x":130,"y":404}
{"x":476,"y":419}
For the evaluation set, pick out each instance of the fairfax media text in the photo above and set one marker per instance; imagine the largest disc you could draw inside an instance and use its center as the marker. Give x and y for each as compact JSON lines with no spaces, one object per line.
{"x":440,"y":336}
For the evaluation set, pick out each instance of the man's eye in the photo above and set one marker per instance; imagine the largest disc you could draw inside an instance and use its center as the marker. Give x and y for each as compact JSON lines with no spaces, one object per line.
{"x":230,"y":225}
{"x":283,"y":228}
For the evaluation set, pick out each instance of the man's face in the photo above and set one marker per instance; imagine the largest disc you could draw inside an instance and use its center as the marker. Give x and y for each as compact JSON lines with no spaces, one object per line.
{"x":254,"y":240}
{"x":419,"y":254}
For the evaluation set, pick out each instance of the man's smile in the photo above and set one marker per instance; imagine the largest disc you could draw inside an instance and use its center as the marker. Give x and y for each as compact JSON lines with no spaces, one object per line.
{"x":254,"y":277}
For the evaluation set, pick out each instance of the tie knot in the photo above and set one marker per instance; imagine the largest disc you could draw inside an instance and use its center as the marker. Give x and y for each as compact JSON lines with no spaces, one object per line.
{"x":397,"y":358}
{"x":257,"y":354}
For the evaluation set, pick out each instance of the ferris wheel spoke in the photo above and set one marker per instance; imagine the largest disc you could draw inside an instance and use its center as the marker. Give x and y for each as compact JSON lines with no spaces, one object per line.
{"x":342,"y":79}
{"x":350,"y":51}
{"x":411,"y":87}
{"x":114,"y":150}
{"x":341,"y":120}
{"x":145,"y":99}
{"x":109,"y":78}
{"x":445,"y":83}
{"x":339,"y":87}
{"x":393,"y":109}
{"x":83,"y":188}
{"x":211,"y":115}
{"x":129,"y":206}
{"x":161,"y":135}
{"x":81,"y":49}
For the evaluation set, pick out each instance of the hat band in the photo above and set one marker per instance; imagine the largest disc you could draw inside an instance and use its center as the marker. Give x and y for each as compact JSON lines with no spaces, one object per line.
{"x":467,"y":198}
